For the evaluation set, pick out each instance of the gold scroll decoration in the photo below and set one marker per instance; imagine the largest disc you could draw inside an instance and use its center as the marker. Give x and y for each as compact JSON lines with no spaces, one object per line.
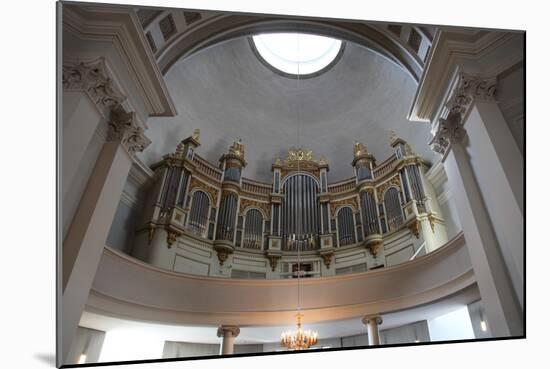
{"x":350,"y":201}
{"x":392,"y":182}
{"x":247,"y":203}
{"x":211,"y":191}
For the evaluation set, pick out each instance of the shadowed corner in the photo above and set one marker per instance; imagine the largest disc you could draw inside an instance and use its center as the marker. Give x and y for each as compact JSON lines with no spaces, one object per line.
{"x":48,"y":358}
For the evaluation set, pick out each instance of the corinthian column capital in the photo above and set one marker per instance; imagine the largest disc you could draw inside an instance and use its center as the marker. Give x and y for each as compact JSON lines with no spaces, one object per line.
{"x":450,"y":129}
{"x":123,"y":128}
{"x":92,"y":78}
{"x":469,"y":89}
{"x":231,"y":329}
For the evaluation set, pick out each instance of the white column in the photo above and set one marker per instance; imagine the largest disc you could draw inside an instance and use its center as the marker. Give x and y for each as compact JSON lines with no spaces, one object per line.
{"x":373,"y":322}
{"x":86,"y":237}
{"x":464,"y":164}
{"x":228,"y":333}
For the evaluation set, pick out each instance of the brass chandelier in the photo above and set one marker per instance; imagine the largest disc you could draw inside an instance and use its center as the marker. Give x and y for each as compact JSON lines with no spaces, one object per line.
{"x":298,"y":339}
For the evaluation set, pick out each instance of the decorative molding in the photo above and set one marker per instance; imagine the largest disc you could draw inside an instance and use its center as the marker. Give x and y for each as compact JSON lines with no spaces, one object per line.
{"x":475,"y":53}
{"x":167,"y":26}
{"x":120,"y":26}
{"x":265,"y":207}
{"x":450,"y":130}
{"x":327,"y":258}
{"x":211,"y":191}
{"x":234,"y":330}
{"x":377,"y":319}
{"x":191,"y":17}
{"x":392,"y":182}
{"x":414,"y":227}
{"x":150,"y":232}
{"x":92,"y":78}
{"x":171,"y":237}
{"x":273,"y":261}
{"x":123,"y":128}
{"x":222,"y":251}
{"x":350,"y":201}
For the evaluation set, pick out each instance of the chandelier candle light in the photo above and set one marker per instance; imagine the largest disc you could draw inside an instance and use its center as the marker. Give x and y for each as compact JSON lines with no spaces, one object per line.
{"x":298,"y":339}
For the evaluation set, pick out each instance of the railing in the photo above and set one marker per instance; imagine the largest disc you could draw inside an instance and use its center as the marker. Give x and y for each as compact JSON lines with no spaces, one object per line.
{"x":347,"y":185}
{"x":206,"y":168}
{"x":256,"y":187}
{"x":385,"y":167}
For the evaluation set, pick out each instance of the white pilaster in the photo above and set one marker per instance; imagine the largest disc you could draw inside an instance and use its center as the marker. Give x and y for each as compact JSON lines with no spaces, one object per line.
{"x":468,"y":168}
{"x":88,"y":95}
{"x":87,"y":235}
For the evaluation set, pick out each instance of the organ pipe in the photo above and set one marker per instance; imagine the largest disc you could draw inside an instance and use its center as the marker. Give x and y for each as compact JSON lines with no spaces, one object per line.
{"x":300,"y":208}
{"x":416,"y":183}
{"x":198,"y":218}
{"x":370,"y":216}
{"x":227,"y":217}
{"x":253,"y":229}
{"x":394,"y":216}
{"x":346,"y":227}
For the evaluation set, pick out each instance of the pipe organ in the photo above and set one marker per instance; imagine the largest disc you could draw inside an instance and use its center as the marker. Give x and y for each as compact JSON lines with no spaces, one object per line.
{"x":299,"y":209}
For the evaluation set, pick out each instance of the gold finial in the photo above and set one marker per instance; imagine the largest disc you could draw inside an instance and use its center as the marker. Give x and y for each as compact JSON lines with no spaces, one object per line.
{"x":393,"y":136}
{"x":237,"y":148}
{"x":278,"y":161}
{"x":322,"y":160}
{"x":196,"y":134}
{"x":179,"y":150}
{"x":408,"y":150}
{"x":359,"y":149}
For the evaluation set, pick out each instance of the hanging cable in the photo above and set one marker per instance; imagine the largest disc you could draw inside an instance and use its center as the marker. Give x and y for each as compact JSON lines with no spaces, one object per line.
{"x":298,"y":229}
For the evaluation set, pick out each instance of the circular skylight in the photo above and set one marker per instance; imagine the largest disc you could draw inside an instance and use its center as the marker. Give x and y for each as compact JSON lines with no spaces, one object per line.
{"x":297,"y":53}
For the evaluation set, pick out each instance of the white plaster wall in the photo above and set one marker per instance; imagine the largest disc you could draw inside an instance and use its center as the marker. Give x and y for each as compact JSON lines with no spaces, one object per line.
{"x":189,"y":349}
{"x":449,"y":213}
{"x":121,"y":234}
{"x":443,"y":196}
{"x":477,"y":315}
{"x":86,"y":341}
{"x":410,"y":333}
{"x":400,"y":247}
{"x":455,"y":325}
{"x":126,"y":222}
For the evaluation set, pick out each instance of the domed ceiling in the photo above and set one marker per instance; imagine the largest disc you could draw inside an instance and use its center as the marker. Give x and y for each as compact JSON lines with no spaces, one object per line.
{"x":229,"y":93}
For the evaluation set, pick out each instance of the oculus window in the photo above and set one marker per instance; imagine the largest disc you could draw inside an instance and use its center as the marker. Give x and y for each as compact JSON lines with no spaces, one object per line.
{"x":297,"y":53}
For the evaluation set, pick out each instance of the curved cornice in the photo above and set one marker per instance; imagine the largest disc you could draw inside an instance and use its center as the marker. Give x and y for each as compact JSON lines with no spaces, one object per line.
{"x":120,"y":27}
{"x":226,"y":27}
{"x":126,"y":287}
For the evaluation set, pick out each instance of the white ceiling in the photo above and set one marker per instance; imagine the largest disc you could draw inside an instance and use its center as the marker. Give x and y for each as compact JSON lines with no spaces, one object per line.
{"x":228,"y":93}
